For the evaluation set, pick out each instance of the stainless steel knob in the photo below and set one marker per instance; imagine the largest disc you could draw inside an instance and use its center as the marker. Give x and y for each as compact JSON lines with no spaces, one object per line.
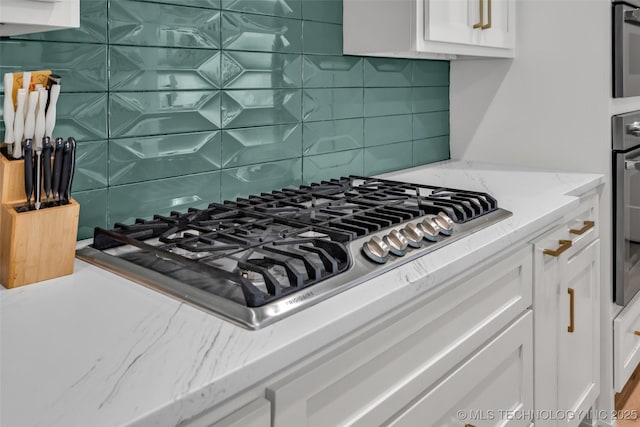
{"x":634,"y":129}
{"x":413,"y":235}
{"x":376,"y":250}
{"x":397,"y":243}
{"x":445,"y":223}
{"x":430,"y":229}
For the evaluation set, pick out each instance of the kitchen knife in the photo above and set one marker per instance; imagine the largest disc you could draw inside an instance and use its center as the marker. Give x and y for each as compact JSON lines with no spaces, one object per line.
{"x":50,"y":118}
{"x":26,"y":85}
{"x":72,"y":168}
{"x":9,"y":112}
{"x":28,"y":170}
{"x":57,"y":168}
{"x":39,"y":135}
{"x":65,"y":176}
{"x":30,"y":121}
{"x":46,"y":166}
{"x":18,"y":124}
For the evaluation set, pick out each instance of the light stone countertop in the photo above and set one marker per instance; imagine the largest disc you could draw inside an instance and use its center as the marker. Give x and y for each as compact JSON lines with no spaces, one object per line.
{"x":94,"y":349}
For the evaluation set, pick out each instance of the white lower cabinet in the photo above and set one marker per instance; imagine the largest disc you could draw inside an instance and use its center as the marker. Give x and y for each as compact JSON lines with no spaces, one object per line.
{"x":492,"y":388}
{"x":567,"y":322}
{"x":371,"y":379}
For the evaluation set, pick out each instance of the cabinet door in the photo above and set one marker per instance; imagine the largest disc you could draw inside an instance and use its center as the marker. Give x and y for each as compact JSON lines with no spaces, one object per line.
{"x":493,"y":388}
{"x":450,"y":20}
{"x":579,"y":331}
{"x":453,"y":21}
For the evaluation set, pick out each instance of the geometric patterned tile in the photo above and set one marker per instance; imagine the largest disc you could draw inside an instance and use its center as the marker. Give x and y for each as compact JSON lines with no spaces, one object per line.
{"x":332,"y":136}
{"x":284,"y":8}
{"x":254,"y":179}
{"x":332,"y":71}
{"x":258,"y":70}
{"x":261,"y":33}
{"x":83,"y":67}
{"x":260,"y":107}
{"x":387,"y":158}
{"x":152,"y":24}
{"x":156,"y":157}
{"x":135,"y":68}
{"x":260,"y":144}
{"x":158,"y":113}
{"x":333,"y":165}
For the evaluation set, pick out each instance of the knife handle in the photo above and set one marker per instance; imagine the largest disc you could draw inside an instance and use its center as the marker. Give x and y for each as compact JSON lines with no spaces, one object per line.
{"x":66,"y":171}
{"x":28,"y":170}
{"x":50,"y":116}
{"x":18,"y":124}
{"x":30,"y":120}
{"x":72,"y":168}
{"x":9,"y":112}
{"x":46,"y":166}
{"x":57,"y":168}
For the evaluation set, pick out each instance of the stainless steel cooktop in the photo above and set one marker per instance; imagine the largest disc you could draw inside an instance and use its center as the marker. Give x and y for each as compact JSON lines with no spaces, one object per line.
{"x":255,"y":260}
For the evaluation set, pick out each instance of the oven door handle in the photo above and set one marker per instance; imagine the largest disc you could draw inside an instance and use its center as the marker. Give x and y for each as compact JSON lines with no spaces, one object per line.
{"x":632,"y":164}
{"x":632,"y":17}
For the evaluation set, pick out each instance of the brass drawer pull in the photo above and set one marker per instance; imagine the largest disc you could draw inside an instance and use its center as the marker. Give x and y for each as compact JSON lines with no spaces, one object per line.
{"x":572,"y":295}
{"x":469,"y":425}
{"x":564,"y":245}
{"x":481,"y":23}
{"x":636,"y":332}
{"x":488,"y":24}
{"x":588,"y":225}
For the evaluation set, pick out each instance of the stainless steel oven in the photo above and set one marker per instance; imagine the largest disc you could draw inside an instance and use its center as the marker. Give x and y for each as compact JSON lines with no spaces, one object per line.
{"x":626,"y":48}
{"x":626,"y":206}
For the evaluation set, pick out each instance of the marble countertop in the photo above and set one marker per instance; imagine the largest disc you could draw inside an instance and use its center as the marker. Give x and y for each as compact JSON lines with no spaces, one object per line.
{"x":94,"y":349}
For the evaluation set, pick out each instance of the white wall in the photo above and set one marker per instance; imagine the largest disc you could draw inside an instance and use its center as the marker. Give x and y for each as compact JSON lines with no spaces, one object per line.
{"x":550,"y":107}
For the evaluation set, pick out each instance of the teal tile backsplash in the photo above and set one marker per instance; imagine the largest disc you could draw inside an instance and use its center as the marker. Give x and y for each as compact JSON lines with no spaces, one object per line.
{"x":178,"y":103}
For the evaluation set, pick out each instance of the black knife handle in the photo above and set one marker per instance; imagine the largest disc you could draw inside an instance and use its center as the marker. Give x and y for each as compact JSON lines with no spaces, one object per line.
{"x":46,"y":165}
{"x":66,"y":171}
{"x":28,"y":169}
{"x":72,"y":168}
{"x":57,"y":168}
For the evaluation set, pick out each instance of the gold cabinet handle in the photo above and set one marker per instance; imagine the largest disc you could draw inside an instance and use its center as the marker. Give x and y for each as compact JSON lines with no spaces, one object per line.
{"x":488,"y":24}
{"x":572,"y":295}
{"x":636,"y":332}
{"x":481,"y":23}
{"x":469,"y":425}
{"x":564,"y":245}
{"x":588,"y":225}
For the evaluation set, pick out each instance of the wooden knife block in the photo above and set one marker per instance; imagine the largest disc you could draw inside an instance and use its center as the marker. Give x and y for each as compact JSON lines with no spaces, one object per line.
{"x":35,"y":245}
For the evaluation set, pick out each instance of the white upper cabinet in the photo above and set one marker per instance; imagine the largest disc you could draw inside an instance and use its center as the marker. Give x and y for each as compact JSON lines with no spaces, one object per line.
{"x":439,"y":29}
{"x":32,"y":16}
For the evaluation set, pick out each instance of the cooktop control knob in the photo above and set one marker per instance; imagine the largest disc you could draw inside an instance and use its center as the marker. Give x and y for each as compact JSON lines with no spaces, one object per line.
{"x":430,"y":229}
{"x":397,"y":243}
{"x":445,"y":223}
{"x":413,"y":235}
{"x":376,"y":250}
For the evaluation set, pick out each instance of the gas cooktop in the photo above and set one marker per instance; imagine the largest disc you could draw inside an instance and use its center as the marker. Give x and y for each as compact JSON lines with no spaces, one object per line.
{"x":255,"y":260}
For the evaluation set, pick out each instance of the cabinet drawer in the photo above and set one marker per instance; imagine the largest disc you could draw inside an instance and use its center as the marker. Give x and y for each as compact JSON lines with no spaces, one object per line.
{"x":493,"y":388}
{"x":374,"y":376}
{"x":580,"y":227}
{"x":254,"y":414}
{"x":626,"y":344}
